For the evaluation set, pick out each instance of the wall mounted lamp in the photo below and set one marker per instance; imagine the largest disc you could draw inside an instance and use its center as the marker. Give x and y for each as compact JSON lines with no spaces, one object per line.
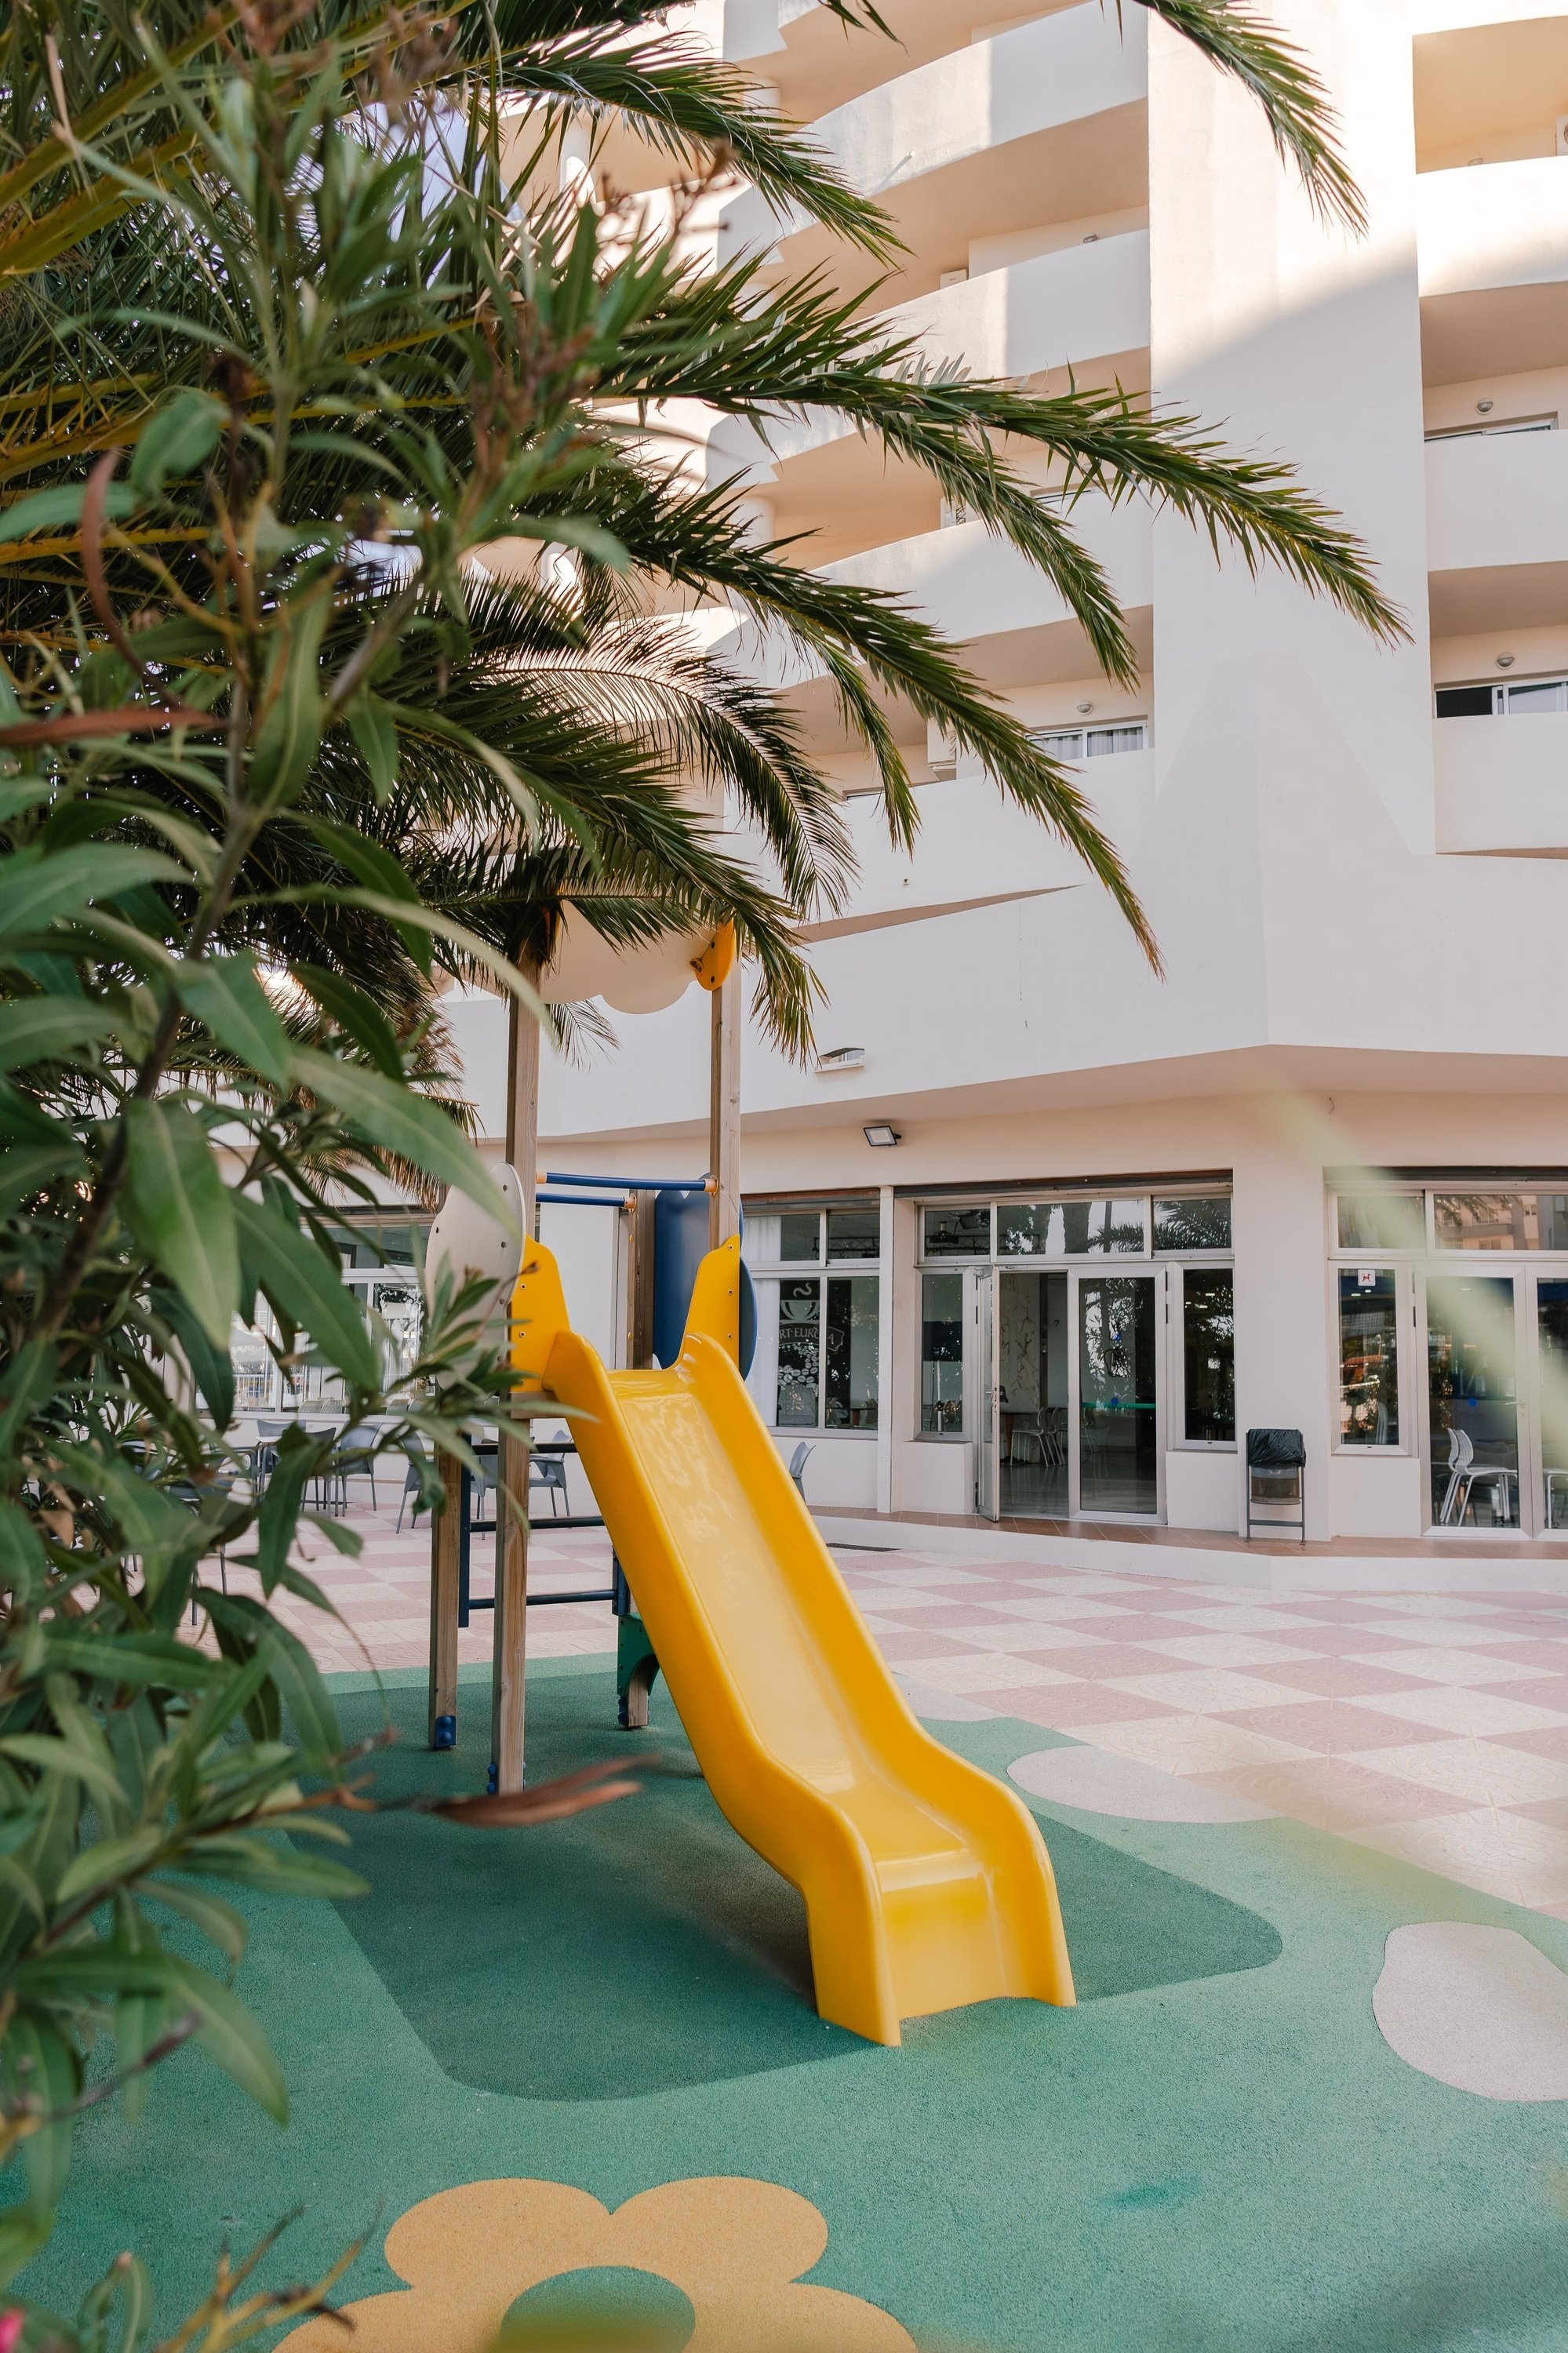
{"x":882,"y":1134}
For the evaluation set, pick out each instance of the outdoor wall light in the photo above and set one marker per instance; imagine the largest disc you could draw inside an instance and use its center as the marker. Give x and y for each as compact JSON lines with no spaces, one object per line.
{"x":881,"y":1135}
{"x":1505,"y":661}
{"x":1484,"y":407}
{"x":1083,"y":707}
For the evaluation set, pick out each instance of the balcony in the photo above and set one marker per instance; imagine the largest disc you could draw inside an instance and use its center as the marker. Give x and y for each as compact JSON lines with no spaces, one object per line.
{"x":1084,"y":307}
{"x":1493,"y":247}
{"x":1502,"y":785}
{"x":800,"y":48}
{"x":1043,"y":123}
{"x":975,"y":849}
{"x":1497,"y":532}
{"x":980,"y":592}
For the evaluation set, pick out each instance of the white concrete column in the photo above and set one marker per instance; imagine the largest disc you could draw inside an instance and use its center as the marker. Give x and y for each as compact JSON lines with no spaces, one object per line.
{"x":1282,"y":1367}
{"x":885,"y":1393}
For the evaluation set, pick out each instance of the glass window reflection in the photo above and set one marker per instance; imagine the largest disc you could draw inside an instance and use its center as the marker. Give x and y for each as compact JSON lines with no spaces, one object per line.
{"x":1369,"y":1358}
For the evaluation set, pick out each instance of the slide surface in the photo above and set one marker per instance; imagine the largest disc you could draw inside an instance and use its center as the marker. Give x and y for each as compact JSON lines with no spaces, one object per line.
{"x":926,"y":1881}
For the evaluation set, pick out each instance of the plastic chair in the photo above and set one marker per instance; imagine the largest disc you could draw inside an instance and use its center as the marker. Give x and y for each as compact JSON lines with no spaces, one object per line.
{"x":334,"y":1482}
{"x":1025,"y":1434}
{"x":411,"y":1483}
{"x":797,"y":1462}
{"x":1465,"y":1475}
{"x":549,"y":1471}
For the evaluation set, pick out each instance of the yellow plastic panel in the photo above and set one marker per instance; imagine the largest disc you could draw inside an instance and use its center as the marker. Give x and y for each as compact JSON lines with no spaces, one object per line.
{"x":927,"y":1883}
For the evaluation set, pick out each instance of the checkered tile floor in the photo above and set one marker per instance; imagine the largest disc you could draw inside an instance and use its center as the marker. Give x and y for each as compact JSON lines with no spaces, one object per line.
{"x":1432,"y":1727}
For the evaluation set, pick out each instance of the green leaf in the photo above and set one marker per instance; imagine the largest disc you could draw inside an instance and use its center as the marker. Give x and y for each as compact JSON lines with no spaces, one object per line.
{"x":182,"y":1212}
{"x":177,"y":441}
{"x":572,"y":531}
{"x":123,"y":1658}
{"x":219,"y":1922}
{"x":395,"y":1119}
{"x":37,"y":886}
{"x":290,"y":1665}
{"x":299,"y":1458}
{"x":39,"y":2065}
{"x":111,"y":1862}
{"x":21,"y":1547}
{"x":232,"y":2038}
{"x":283,"y":1870}
{"x":292,"y":704}
{"x":370,"y":723}
{"x":225,"y":993}
{"x":308,"y":1288}
{"x":356,"y":1015}
{"x":28,"y":1167}
{"x":48,"y":1029}
{"x":46,"y":1754}
{"x":383,"y":874}
{"x":24,"y":2230}
{"x":48,"y":510}
{"x":211,"y":1368}
{"x":18,"y":793}
{"x":93,"y":1972}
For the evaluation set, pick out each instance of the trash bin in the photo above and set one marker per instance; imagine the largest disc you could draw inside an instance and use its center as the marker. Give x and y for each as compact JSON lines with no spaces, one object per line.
{"x":1275,"y":1464}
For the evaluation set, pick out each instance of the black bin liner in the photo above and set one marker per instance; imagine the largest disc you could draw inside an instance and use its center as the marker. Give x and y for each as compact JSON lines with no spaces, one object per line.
{"x":1276,"y":1450}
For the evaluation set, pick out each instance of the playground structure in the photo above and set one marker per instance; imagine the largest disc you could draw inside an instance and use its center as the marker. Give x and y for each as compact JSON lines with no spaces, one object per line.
{"x":925,"y":1881}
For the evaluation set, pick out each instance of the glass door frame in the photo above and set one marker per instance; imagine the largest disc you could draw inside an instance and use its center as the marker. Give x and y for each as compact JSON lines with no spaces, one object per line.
{"x":1459,"y":1266}
{"x":988,"y":1393}
{"x":1158,"y":1277}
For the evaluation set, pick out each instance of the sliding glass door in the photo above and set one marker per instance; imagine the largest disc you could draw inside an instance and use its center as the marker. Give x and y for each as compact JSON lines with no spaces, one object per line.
{"x":1117,"y":1437}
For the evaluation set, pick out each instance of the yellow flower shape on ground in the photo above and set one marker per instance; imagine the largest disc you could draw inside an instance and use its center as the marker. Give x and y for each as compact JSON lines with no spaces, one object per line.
{"x":733,"y":2248}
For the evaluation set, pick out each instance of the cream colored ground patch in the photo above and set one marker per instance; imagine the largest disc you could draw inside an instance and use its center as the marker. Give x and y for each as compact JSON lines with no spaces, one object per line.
{"x":1480,"y":2009}
{"x":734,"y":2247}
{"x":1100,"y":1781}
{"x":934,"y":1706}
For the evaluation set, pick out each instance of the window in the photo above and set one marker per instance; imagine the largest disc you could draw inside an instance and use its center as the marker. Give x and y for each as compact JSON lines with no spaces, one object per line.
{"x":1382,"y":1221}
{"x":957,"y":1233}
{"x":799,"y":1356}
{"x":1201,"y":1222}
{"x":942,"y":1355}
{"x":1500,"y":1221}
{"x":1083,"y":1228}
{"x":818,"y":1340}
{"x":1543,"y":424}
{"x":854,"y":1233}
{"x":1369,"y":1359}
{"x":1520,"y":700}
{"x":1093,"y":743}
{"x":1209,"y":1357}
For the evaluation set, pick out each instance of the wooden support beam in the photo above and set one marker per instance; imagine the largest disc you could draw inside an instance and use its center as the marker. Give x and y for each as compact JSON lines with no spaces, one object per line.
{"x":509,"y":1656}
{"x":724,"y":1109}
{"x":446,"y":1538}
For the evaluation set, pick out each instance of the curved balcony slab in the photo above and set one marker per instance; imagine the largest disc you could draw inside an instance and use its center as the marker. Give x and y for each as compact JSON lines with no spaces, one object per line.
{"x":1060,"y":309}
{"x":1000,"y":136}
{"x":1502,"y":785}
{"x":1497,"y":531}
{"x":1492,"y":243}
{"x":982,"y":593}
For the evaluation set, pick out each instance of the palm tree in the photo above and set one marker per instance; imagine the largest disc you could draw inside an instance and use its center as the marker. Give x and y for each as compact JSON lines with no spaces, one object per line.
{"x":516,"y":753}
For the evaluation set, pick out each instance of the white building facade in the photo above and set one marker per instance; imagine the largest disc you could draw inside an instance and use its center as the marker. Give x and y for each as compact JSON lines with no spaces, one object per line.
{"x":1316,"y":1175}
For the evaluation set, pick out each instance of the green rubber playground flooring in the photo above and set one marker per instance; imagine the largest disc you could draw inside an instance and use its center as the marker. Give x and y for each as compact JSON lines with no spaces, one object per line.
{"x":1217,"y":2149}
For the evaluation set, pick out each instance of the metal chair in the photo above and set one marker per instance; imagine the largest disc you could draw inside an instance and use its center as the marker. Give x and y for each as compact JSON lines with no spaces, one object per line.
{"x":333,"y":1484}
{"x":797,"y":1462}
{"x":1465,"y":1475}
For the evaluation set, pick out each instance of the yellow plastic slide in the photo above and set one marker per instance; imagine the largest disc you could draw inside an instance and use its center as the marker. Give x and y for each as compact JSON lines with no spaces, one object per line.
{"x":927,"y":1883}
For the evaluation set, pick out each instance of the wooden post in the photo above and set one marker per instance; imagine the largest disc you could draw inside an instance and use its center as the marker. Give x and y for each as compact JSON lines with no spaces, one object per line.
{"x":509,"y":1658}
{"x":723,"y":1110}
{"x":446,"y":1538}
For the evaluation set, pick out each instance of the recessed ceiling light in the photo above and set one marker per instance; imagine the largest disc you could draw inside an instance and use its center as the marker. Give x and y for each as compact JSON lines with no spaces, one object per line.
{"x":882,"y":1134}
